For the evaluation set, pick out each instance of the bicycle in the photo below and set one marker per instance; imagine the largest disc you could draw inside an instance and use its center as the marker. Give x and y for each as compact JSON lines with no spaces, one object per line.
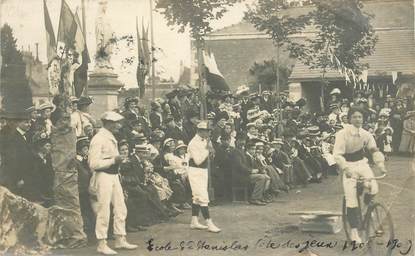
{"x":375,"y":221}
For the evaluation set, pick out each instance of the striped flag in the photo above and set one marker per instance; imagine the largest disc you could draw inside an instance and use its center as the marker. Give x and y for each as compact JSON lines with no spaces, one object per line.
{"x":81,"y":73}
{"x":67,"y":30}
{"x":214,"y":78}
{"x":50,"y":34}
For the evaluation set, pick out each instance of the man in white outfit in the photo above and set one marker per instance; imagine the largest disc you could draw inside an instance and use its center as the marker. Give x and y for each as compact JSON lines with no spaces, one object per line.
{"x":104,"y":160}
{"x":199,"y":150}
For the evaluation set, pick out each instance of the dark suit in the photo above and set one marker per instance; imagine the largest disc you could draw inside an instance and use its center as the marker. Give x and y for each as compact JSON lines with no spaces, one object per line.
{"x":17,"y":163}
{"x":156,"y":120}
{"x":242,"y":165}
{"x":175,"y":133}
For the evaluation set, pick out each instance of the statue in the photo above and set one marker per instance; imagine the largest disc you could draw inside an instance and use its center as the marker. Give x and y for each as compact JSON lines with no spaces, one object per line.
{"x":104,"y":36}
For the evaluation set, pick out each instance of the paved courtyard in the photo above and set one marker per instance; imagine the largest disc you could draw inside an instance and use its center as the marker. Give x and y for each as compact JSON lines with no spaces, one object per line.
{"x":256,"y":230}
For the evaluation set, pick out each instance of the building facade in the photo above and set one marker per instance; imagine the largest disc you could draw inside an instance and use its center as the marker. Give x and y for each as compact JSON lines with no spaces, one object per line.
{"x":237,"y":47}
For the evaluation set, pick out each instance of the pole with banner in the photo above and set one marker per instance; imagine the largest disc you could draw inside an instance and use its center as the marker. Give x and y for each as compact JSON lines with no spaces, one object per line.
{"x":153,"y":71}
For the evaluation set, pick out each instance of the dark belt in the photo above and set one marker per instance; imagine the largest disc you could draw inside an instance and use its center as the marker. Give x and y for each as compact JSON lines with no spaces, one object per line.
{"x":355,"y":156}
{"x":203,"y":165}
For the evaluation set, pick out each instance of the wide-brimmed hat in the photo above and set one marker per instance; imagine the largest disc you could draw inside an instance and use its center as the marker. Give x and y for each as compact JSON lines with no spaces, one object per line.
{"x":313,"y":130}
{"x":242,"y":90}
{"x":277,"y":141}
{"x":131,"y":99}
{"x":410,"y":113}
{"x":81,"y":142}
{"x":142,"y":148}
{"x":253,"y":114}
{"x":111,"y":116}
{"x":254,"y":96}
{"x":46,"y":105}
{"x":180,"y":144}
{"x":166,"y":141}
{"x":85,"y":101}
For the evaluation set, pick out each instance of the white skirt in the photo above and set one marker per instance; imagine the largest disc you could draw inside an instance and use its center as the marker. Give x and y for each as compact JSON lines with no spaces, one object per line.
{"x":198,"y":179}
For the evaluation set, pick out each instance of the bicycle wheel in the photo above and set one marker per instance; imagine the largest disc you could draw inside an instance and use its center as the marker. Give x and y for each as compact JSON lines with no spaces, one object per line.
{"x":380,"y":231}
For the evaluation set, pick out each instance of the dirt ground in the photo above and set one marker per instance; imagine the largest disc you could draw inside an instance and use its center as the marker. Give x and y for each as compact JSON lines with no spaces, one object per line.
{"x":270,"y":230}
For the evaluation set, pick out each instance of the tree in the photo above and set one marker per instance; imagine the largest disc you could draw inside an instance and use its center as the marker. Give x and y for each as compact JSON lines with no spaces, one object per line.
{"x":268,"y":16}
{"x":343,"y":28}
{"x":265,"y":75}
{"x":15,"y":89}
{"x":195,"y":15}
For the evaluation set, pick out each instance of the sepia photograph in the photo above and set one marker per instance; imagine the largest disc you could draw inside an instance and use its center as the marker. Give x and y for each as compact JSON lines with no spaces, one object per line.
{"x":207,"y":127}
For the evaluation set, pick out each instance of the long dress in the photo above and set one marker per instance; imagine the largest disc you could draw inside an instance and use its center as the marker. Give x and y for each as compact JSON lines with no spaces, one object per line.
{"x":408,"y":136}
{"x":143,"y":204}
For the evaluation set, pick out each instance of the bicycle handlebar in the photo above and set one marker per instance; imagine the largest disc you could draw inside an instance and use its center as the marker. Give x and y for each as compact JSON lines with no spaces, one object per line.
{"x":369,"y":179}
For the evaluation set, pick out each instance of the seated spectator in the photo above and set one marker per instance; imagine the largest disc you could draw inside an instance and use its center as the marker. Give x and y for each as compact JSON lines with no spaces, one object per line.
{"x":174,"y":177}
{"x":282,"y":161}
{"x":245,"y":168}
{"x":144,"y":206}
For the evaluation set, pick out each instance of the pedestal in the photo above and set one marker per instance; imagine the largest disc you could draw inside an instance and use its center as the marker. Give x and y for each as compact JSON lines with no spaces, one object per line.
{"x":104,"y":88}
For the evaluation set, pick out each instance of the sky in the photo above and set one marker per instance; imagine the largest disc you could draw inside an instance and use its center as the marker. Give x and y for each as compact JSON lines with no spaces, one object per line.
{"x":27,"y":21}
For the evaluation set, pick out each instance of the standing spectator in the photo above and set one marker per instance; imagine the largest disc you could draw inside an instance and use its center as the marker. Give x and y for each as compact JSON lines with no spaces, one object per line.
{"x":84,"y":177}
{"x":43,"y":122}
{"x":104,"y":160}
{"x":156,"y":116}
{"x":408,"y":134}
{"x":14,"y":147}
{"x":396,"y":122}
{"x":81,"y":118}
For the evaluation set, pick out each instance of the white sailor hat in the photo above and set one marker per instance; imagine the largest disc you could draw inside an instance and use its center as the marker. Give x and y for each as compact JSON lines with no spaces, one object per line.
{"x":111,"y":116}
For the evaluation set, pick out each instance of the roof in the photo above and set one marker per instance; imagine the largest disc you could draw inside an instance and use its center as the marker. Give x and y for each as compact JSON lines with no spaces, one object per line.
{"x":394,"y":51}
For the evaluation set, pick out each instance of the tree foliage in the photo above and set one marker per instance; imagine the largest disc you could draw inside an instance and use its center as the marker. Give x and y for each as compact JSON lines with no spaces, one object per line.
{"x":268,"y":16}
{"x":266,"y":75}
{"x":341,"y":26}
{"x":14,"y":86}
{"x":9,"y":52}
{"x":196,"y":15}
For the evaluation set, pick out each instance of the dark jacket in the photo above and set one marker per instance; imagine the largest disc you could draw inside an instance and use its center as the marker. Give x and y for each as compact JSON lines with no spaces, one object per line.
{"x":241,"y":168}
{"x":17,"y":162}
{"x":155,"y":120}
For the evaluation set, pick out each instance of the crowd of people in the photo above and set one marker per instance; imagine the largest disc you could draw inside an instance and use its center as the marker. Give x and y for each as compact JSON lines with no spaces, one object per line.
{"x":260,"y":145}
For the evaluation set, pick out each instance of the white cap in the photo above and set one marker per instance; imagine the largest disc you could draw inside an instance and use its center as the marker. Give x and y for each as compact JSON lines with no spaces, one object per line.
{"x":336,"y":91}
{"x":203,"y":125}
{"x":111,"y":116}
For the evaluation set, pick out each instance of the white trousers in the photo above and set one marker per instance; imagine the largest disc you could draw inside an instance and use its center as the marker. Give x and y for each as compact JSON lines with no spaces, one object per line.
{"x":198,"y":179}
{"x":357,"y":169}
{"x":109,"y":191}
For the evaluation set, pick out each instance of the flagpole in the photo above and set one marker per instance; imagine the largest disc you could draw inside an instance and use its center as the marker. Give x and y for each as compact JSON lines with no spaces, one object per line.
{"x":153,"y":72}
{"x":84,"y":33}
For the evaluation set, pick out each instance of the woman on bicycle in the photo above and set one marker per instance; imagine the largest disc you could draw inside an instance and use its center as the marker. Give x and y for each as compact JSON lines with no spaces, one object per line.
{"x":351,"y":146}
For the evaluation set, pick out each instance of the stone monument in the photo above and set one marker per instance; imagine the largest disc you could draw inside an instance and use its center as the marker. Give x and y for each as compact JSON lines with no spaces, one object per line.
{"x":103,"y":84}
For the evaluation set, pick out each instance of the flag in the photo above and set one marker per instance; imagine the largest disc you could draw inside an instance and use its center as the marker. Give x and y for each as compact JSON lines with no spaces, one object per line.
{"x":81,"y":73}
{"x":141,"y":64}
{"x":214,"y":78}
{"x":67,"y":30}
{"x":50,"y":34}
